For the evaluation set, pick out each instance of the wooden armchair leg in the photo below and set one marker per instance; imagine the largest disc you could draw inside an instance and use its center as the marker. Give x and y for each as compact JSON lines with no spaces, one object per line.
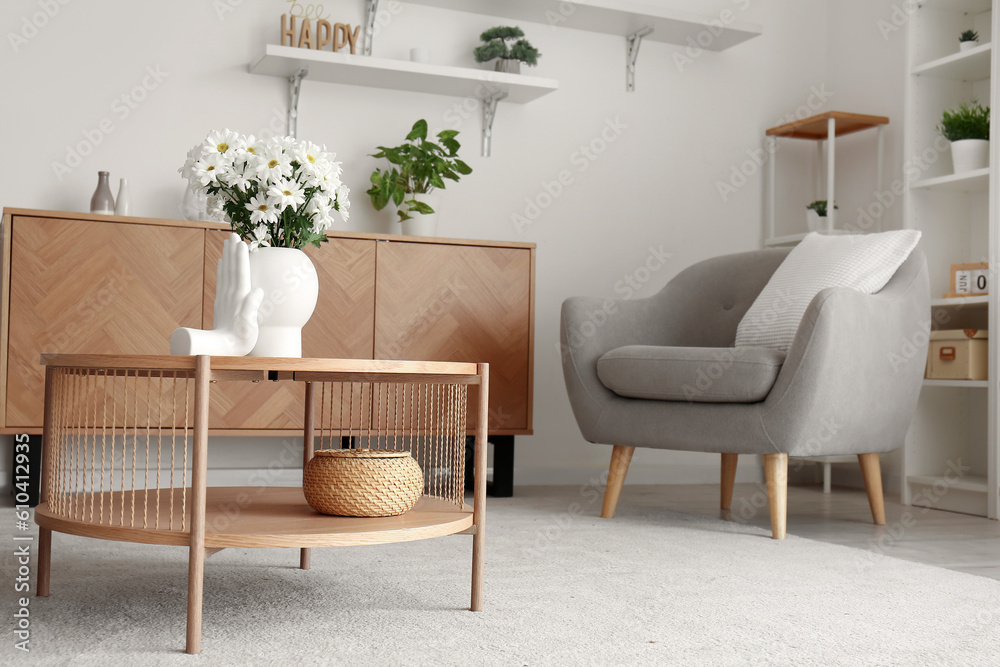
{"x":776,"y":476}
{"x":871,"y":471}
{"x":728,"y":479}
{"x":621,"y":456}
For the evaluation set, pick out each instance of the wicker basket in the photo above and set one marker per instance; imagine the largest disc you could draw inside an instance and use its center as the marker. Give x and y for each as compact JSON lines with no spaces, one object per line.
{"x":362,"y":482}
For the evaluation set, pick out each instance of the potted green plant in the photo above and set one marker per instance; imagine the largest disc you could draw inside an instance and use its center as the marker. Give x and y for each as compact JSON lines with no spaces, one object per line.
{"x":508,"y":56}
{"x":816,"y":216}
{"x":969,"y":39}
{"x":967,"y":127}
{"x":417,"y":167}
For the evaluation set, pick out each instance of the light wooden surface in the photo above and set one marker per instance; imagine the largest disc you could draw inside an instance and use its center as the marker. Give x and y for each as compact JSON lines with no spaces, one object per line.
{"x":728,"y":479}
{"x":871,"y":471}
{"x":78,"y":286}
{"x":199,"y":476}
{"x":5,"y":245}
{"x":621,"y":457}
{"x":815,"y":127}
{"x":276,"y":517}
{"x":159,"y":292}
{"x":479,"y":499}
{"x":461,"y":304}
{"x":776,"y":478}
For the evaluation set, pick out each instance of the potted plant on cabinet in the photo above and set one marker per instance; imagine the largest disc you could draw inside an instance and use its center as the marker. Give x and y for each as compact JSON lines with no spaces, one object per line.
{"x":968,"y":40}
{"x":968,"y":129}
{"x":417,"y":167}
{"x":816,"y":216}
{"x":508,"y":56}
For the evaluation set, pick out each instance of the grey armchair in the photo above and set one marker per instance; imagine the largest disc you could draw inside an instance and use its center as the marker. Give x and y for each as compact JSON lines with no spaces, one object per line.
{"x":662,"y":372}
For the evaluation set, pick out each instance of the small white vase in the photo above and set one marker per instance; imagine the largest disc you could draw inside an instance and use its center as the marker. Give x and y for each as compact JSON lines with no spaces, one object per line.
{"x":816,"y":222}
{"x":965,"y":46}
{"x":123,"y":202}
{"x":420,"y":224}
{"x":970,"y":154}
{"x":291,"y":288}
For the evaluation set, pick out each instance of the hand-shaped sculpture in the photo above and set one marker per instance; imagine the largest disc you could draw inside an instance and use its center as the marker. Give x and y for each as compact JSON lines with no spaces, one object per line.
{"x":236,"y":306}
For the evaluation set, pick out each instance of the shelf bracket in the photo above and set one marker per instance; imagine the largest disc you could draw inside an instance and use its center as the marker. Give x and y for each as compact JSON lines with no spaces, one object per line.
{"x":294,"y":85}
{"x":632,"y":44}
{"x":370,"y":15}
{"x":489,"y":113}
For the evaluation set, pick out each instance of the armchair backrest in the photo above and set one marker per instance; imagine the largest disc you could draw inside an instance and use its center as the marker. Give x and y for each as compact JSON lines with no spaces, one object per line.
{"x":708,"y":299}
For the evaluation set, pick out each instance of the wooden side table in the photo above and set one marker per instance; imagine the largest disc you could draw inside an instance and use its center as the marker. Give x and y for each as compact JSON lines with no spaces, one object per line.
{"x":126,"y":445}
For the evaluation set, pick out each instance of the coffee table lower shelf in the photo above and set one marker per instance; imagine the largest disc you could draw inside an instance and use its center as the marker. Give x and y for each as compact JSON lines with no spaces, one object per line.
{"x":250,"y":517}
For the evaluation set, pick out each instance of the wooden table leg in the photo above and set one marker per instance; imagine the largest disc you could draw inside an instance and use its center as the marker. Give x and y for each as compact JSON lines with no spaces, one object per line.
{"x":199,"y":472}
{"x":45,"y":460}
{"x":479,"y":498}
{"x":44,"y":561}
{"x":308,"y":448}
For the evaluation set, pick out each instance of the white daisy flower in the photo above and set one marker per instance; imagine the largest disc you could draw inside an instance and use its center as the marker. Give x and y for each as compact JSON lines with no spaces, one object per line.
{"x":286,"y":193}
{"x":273,"y":165}
{"x":222,"y":142}
{"x":261,"y":210}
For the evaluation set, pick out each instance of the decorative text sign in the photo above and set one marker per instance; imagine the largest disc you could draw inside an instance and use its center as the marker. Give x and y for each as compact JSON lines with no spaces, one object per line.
{"x":303,"y":34}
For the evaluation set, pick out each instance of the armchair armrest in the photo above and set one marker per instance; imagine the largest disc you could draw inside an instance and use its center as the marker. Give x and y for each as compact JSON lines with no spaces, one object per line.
{"x":590,"y":327}
{"x":853,"y":373}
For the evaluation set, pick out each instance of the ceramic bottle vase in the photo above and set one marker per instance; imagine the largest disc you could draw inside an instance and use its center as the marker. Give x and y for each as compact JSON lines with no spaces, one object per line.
{"x":103,"y":201}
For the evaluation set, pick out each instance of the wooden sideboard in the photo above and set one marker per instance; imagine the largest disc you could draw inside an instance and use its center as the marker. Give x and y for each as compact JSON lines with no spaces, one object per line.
{"x":83,"y":283}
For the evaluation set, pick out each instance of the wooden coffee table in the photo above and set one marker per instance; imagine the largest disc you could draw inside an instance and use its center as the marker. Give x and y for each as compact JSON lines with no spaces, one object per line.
{"x":126,"y":445}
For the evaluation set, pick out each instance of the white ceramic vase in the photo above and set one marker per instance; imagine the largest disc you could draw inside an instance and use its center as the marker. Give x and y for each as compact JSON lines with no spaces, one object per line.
{"x":970,"y":154}
{"x":291,"y":288}
{"x":423,"y":225}
{"x":817,"y":222}
{"x":965,"y":46}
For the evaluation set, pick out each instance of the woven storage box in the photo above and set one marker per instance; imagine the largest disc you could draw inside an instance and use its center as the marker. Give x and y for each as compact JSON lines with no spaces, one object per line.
{"x":362,"y":482}
{"x":958,"y":354}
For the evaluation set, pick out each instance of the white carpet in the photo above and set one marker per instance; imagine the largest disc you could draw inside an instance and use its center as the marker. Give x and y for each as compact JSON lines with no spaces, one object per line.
{"x":648,"y":587}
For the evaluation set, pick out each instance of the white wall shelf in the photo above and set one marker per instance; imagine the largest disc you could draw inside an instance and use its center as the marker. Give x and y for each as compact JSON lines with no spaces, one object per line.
{"x":632,"y":20}
{"x":972,"y":181}
{"x":330,"y":67}
{"x":962,"y":302}
{"x":971,"y":65}
{"x":487,"y":86}
{"x":612,"y":17}
{"x":965,"y":384}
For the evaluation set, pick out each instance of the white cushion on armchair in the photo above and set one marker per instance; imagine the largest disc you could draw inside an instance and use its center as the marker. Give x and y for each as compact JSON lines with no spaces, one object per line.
{"x":864,"y":262}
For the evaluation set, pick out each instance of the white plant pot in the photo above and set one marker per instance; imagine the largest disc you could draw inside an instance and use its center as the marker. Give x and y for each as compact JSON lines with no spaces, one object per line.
{"x":965,"y":46}
{"x":970,"y":154}
{"x":816,"y":222}
{"x":291,"y":288}
{"x":423,"y":225}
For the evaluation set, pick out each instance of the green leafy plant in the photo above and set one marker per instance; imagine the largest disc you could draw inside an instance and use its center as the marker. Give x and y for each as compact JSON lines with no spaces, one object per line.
{"x":969,"y":121}
{"x":417,"y":166}
{"x":820,"y":207}
{"x":495,"y":45}
{"x":969,"y":36}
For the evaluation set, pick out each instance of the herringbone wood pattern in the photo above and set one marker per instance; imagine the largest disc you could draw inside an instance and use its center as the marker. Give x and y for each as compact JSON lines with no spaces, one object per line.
{"x":342,"y":326}
{"x":83,"y":286}
{"x":460,"y":303}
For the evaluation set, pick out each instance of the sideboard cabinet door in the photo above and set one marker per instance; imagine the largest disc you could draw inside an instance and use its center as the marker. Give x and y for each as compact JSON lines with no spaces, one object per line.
{"x":442,"y":302}
{"x":80,"y":286}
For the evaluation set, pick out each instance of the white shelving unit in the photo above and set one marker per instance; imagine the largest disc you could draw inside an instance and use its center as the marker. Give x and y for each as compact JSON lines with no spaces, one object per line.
{"x":824,"y":129}
{"x":950,"y":458}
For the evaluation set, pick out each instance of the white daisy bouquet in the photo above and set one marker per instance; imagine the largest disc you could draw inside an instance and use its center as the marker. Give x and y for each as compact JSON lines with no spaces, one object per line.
{"x":277,"y":192}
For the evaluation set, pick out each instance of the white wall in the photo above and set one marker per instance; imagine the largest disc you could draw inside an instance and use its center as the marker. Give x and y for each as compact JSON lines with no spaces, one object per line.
{"x":684,"y":132}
